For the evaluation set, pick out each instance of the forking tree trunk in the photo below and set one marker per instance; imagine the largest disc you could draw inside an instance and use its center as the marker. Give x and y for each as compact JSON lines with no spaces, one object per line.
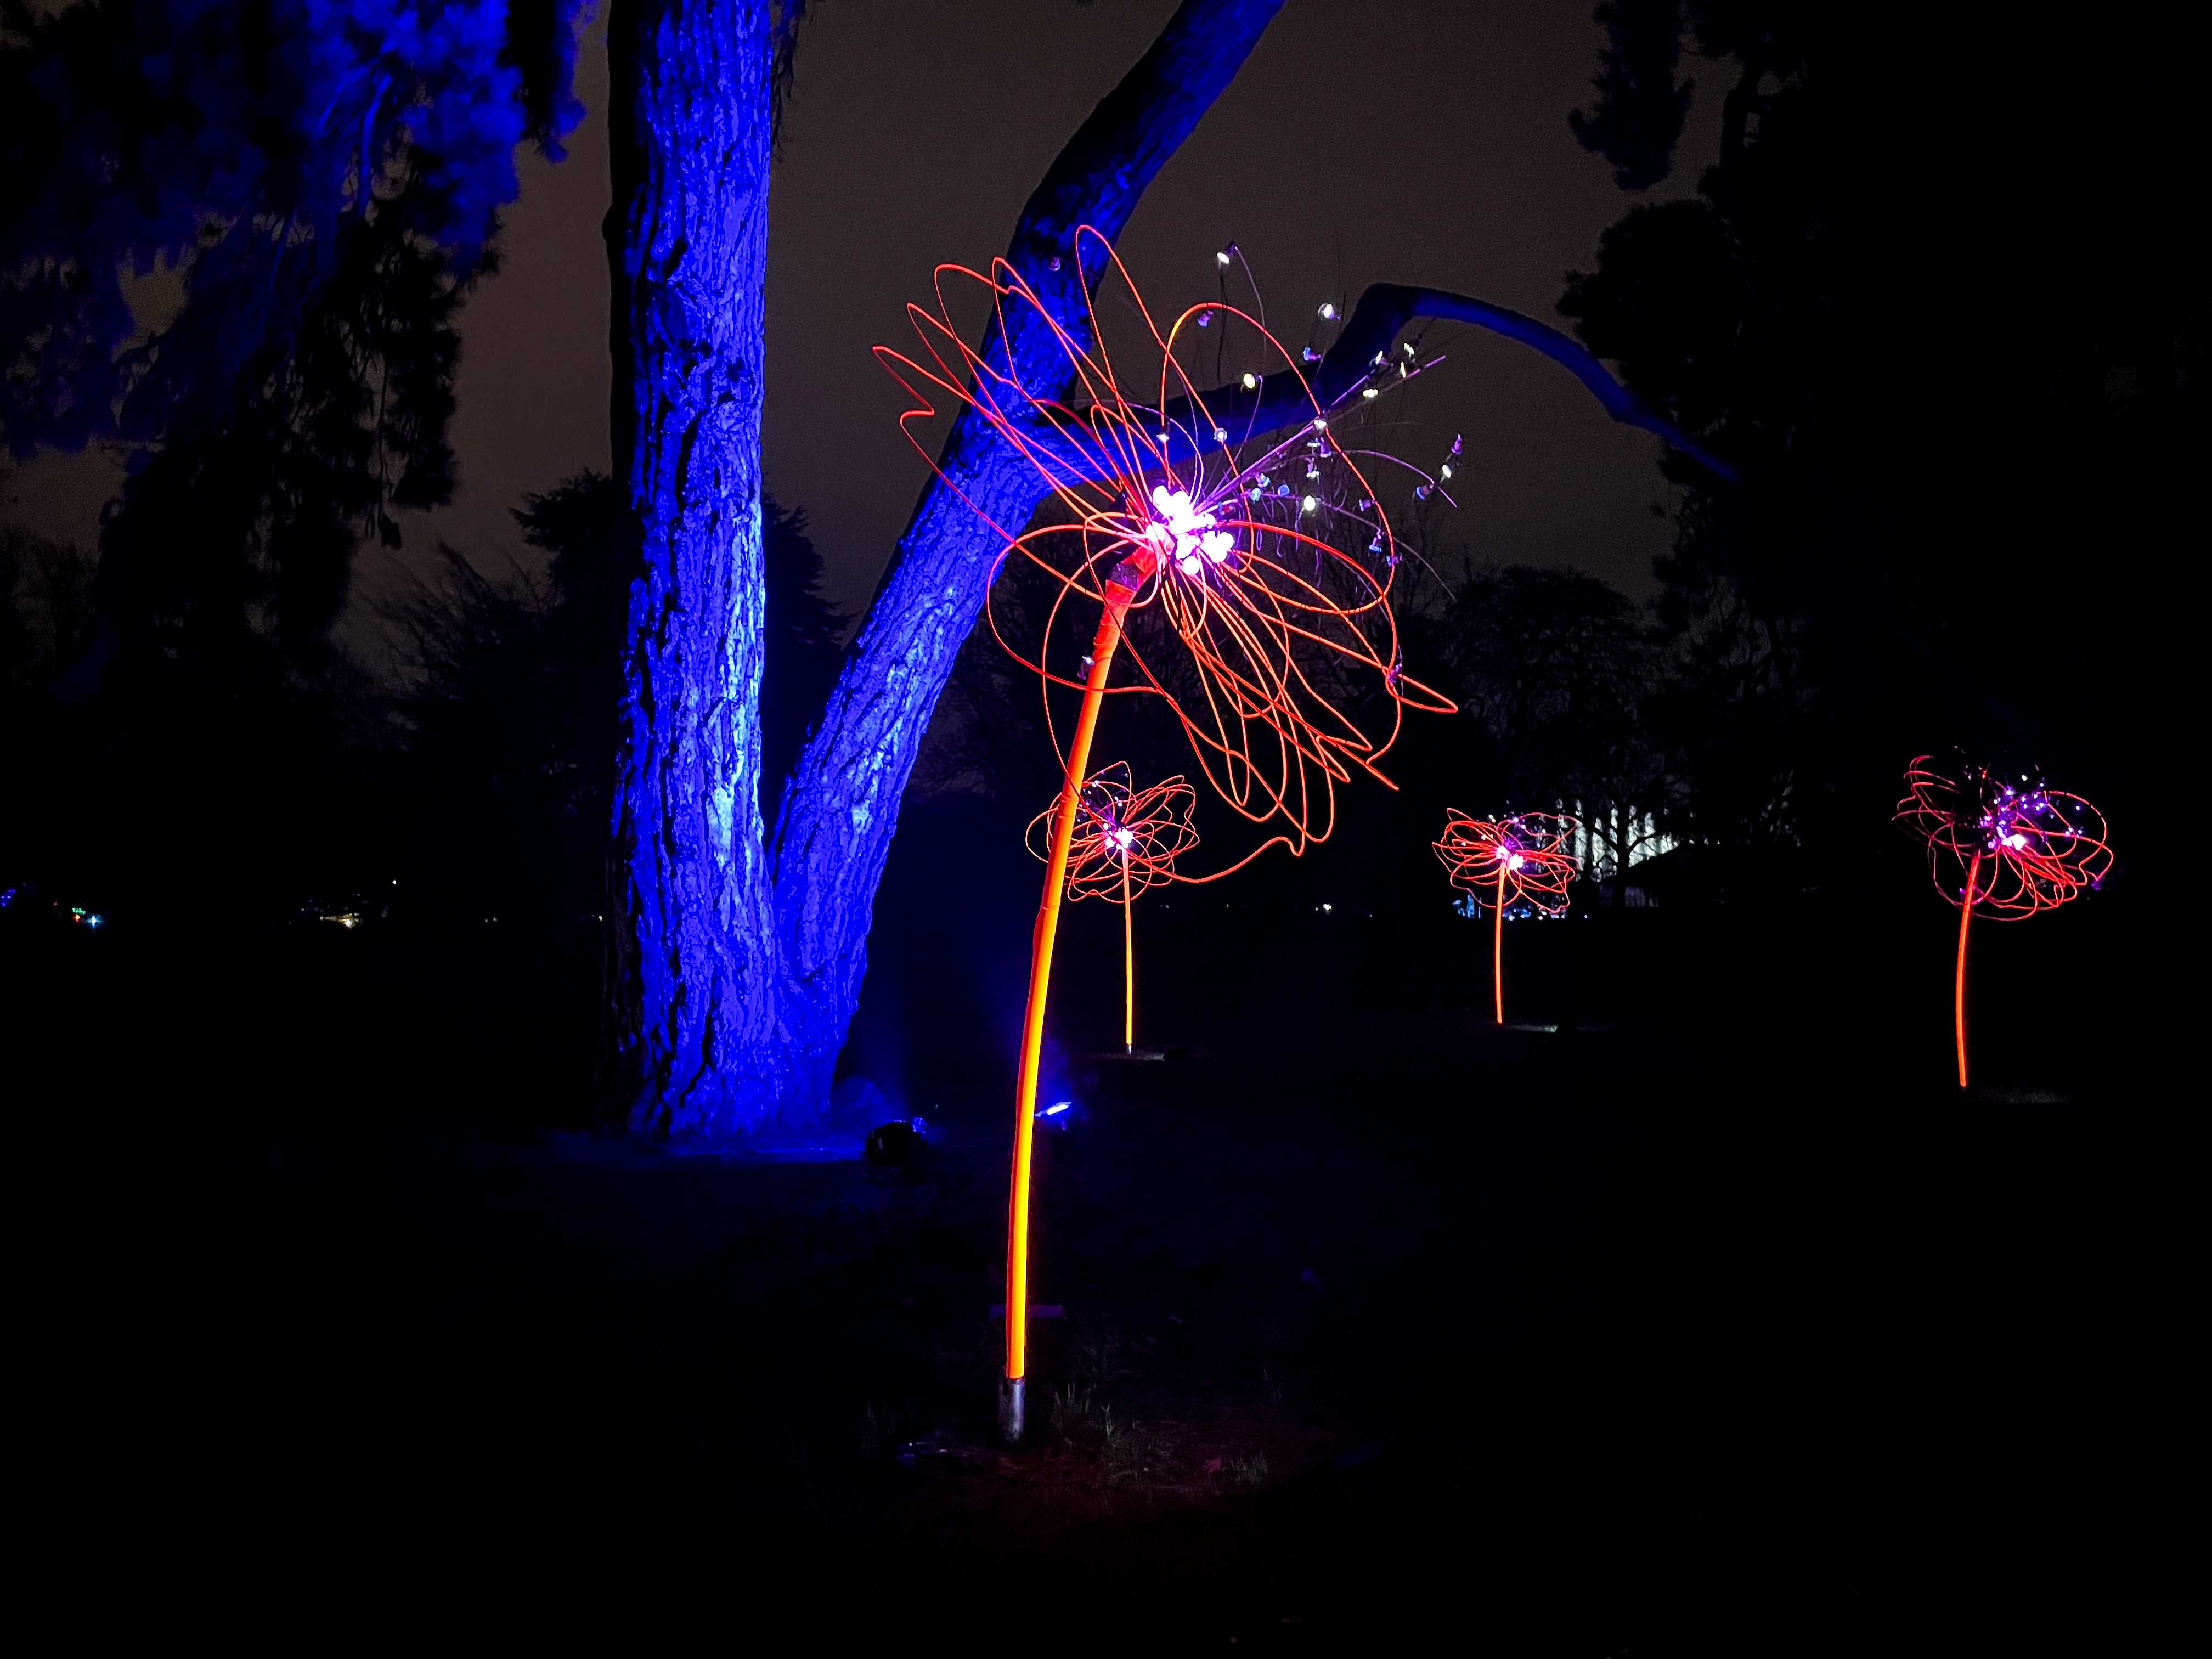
{"x":746,"y":971}
{"x":750,"y":943}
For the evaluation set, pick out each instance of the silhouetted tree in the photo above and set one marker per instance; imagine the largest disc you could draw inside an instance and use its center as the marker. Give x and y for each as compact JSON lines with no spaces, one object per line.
{"x":47,"y":587}
{"x":1937,"y":309}
{"x":321,"y":178}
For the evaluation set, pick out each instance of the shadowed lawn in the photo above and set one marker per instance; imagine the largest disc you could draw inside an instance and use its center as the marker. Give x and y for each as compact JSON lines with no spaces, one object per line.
{"x":1582,"y":1342}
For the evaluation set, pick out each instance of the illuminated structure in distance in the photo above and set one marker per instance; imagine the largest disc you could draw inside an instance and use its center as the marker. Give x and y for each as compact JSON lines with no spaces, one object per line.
{"x":1259,"y":559}
{"x":1520,"y":859}
{"x":2006,"y":847}
{"x":1125,"y":841}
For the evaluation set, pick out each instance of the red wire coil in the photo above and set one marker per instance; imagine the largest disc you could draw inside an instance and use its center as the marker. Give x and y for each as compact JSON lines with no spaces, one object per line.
{"x":1277,"y":625}
{"x":1528,"y":849}
{"x":1147,"y":829}
{"x":2030,"y":847}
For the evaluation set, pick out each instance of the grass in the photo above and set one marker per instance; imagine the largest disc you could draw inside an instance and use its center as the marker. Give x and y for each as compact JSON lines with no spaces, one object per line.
{"x":1606,"y":1335}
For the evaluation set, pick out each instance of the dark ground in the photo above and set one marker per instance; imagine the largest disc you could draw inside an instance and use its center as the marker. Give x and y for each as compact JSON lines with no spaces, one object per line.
{"x":1716,"y":1322}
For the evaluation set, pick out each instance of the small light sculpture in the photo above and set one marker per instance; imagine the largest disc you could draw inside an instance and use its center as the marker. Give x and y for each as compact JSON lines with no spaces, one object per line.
{"x":2008,"y":848}
{"x":1126,"y":841}
{"x":1519,"y":859}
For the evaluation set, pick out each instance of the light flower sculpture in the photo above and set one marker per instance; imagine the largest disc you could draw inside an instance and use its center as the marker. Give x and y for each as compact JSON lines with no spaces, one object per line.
{"x":2006,"y":848}
{"x":1270,"y":599}
{"x":1519,"y":859}
{"x":1125,"y":842}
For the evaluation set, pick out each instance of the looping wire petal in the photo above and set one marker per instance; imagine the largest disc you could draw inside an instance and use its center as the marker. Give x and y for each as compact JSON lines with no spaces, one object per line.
{"x":1528,"y":849}
{"x":1273,"y":643}
{"x":2026,"y":846}
{"x":1119,"y":828}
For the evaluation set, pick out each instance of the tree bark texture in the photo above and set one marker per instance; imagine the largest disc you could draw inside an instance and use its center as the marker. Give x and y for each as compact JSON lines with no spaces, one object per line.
{"x":691,"y":150}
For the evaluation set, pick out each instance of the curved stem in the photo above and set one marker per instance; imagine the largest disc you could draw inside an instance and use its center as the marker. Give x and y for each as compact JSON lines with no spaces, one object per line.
{"x":1498,"y":951}
{"x":1128,"y":966}
{"x":1047,"y":930}
{"x":1958,"y":980}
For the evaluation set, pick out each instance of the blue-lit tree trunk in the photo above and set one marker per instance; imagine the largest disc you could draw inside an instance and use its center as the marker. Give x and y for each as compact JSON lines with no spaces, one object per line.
{"x":748,"y":972}
{"x":691,"y":121}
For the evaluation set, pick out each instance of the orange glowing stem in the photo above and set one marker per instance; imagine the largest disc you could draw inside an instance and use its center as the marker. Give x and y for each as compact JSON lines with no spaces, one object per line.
{"x":1498,"y":947}
{"x":1128,"y":965}
{"x":1958,"y":980}
{"x":1048,"y":929}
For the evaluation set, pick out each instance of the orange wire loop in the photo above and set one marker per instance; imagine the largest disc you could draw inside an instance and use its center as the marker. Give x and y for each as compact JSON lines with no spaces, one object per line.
{"x":1264,"y":604}
{"x":1519,"y":859}
{"x":2004,"y":847}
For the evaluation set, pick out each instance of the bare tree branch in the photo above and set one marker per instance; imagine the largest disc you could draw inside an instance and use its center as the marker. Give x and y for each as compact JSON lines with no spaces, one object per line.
{"x":1372,"y":330}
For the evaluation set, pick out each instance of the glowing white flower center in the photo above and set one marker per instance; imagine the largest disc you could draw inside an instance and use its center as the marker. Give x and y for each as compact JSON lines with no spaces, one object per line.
{"x":1121,"y":839}
{"x":1514,"y":861}
{"x":1186,"y":532}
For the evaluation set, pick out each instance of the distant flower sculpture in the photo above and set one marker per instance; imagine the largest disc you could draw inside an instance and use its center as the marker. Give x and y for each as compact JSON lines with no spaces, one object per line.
{"x":1271,"y":597}
{"x":1126,"y":841}
{"x":1520,"y":859}
{"x":2007,"y":847}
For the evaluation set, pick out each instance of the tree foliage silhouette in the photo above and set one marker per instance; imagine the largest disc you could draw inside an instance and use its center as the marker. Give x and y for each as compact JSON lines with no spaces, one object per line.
{"x":1937,"y":310}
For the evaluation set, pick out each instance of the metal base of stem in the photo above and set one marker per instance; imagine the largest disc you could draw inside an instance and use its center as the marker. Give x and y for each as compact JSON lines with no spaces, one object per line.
{"x":1011,"y":1401}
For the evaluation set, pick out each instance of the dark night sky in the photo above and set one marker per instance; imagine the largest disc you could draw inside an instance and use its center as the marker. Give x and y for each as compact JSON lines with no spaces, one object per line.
{"x":1418,"y":141}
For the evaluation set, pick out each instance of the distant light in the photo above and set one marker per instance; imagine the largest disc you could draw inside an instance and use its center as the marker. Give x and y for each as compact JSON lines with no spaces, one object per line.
{"x":1221,"y":435}
{"x":1309,"y":503}
{"x":94,"y":920}
{"x":1251,"y":382}
{"x":1445,"y":470}
{"x":1221,"y":258}
{"x":1369,"y":392}
{"x":1058,"y":1106}
{"x":1328,"y":312}
{"x":1326,"y":908}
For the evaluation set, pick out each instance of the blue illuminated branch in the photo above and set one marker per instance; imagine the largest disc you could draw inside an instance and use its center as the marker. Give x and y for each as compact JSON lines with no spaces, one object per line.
{"x":1375,"y":322}
{"x":841,"y":807}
